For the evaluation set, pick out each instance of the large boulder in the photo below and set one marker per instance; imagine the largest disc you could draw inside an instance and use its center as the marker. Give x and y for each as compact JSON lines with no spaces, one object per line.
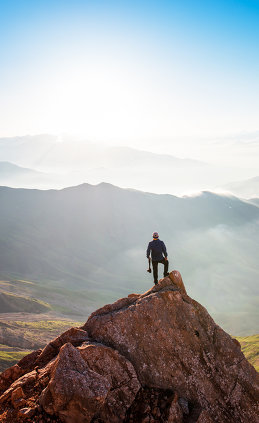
{"x":74,"y":391}
{"x":91,"y":381}
{"x":73,"y":335}
{"x":120,"y":373}
{"x":173,"y":343}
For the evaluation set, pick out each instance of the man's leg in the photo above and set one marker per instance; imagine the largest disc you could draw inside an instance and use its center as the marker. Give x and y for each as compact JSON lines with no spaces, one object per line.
{"x":166,"y":264}
{"x":155,"y":264}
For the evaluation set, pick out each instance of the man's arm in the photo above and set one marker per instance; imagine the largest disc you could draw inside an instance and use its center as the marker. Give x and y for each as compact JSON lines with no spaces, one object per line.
{"x":164,"y":249}
{"x":148,"y":250}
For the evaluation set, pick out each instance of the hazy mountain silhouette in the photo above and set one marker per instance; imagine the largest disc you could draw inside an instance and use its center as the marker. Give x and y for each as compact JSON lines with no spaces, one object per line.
{"x":254,"y":201}
{"x":47,"y":150}
{"x":8,"y":169}
{"x":17,"y":176}
{"x":244,"y":189}
{"x":93,"y":239}
{"x":71,"y":162}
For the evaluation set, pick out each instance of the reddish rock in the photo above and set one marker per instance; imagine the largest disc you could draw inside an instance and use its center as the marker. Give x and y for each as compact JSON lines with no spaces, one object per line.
{"x":175,"y":414}
{"x":9,"y":376}
{"x":154,"y":405}
{"x":155,"y":357}
{"x":74,"y":336}
{"x":98,"y":382}
{"x":28,"y":361}
{"x":176,"y":278}
{"x":17,"y":397}
{"x":204,"y":418}
{"x":26,"y":413}
{"x":173,"y":343}
{"x":121,"y":375}
{"x":22,"y":383}
{"x":74,"y":392}
{"x":118,"y":305}
{"x":26,"y":364}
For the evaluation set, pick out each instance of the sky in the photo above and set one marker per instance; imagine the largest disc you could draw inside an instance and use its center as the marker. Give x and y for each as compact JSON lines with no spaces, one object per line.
{"x":152,"y":74}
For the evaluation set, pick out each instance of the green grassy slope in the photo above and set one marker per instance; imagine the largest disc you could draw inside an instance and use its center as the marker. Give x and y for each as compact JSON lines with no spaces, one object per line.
{"x":250,"y":348}
{"x":61,"y":301}
{"x":11,"y":303}
{"x":35,"y":333}
{"x":9,"y":358}
{"x":32,"y":334}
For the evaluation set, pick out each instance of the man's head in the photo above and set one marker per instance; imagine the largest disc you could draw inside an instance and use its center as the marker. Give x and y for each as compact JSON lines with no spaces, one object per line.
{"x":155,"y":235}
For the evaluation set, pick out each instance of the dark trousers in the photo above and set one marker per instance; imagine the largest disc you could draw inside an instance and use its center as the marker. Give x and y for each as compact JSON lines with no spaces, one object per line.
{"x":155,"y":270}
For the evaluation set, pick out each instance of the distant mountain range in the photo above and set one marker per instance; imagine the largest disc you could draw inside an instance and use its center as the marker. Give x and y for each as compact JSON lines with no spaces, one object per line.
{"x":48,"y":151}
{"x":91,"y":241}
{"x":17,"y":176}
{"x":69,"y":162}
{"x":244,"y":189}
{"x":8,"y":170}
{"x":254,"y":201}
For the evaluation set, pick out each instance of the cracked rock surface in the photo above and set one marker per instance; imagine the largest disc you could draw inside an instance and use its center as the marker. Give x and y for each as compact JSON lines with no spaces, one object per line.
{"x":155,"y":357}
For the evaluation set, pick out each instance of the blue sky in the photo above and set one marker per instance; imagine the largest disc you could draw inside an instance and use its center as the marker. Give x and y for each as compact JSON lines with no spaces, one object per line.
{"x":129,"y":70}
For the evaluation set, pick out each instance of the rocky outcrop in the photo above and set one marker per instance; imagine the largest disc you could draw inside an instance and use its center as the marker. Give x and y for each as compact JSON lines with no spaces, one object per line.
{"x":99,"y":382}
{"x":155,"y":357}
{"x":25,"y":365}
{"x":40,"y":357}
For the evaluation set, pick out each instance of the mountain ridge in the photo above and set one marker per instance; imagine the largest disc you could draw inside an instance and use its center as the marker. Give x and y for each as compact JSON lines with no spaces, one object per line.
{"x":71,"y":161}
{"x":45,"y":142}
{"x":80,"y":234}
{"x":244,"y":188}
{"x":16,"y":176}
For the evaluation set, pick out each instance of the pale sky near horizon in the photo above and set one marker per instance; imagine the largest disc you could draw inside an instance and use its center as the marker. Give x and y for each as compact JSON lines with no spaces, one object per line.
{"x":130,"y":72}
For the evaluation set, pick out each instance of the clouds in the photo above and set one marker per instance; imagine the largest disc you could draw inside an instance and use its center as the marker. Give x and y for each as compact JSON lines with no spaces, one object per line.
{"x":220,"y":269}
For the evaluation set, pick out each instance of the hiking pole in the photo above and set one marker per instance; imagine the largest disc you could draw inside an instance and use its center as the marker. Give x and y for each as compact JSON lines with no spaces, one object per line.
{"x":149,"y":268}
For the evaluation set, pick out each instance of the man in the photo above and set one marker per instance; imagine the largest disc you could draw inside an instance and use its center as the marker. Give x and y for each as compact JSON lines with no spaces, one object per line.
{"x":158,"y":255}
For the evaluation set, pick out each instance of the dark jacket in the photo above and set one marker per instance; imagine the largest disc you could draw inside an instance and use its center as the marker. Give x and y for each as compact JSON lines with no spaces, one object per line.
{"x":158,"y":250}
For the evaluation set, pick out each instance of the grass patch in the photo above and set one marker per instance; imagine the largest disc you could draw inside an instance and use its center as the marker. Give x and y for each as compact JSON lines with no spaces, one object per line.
{"x":11,"y":303}
{"x":12,"y":356}
{"x":49,"y":325}
{"x":37,"y":332}
{"x":21,"y":281}
{"x":9,"y":358}
{"x":250,"y":348}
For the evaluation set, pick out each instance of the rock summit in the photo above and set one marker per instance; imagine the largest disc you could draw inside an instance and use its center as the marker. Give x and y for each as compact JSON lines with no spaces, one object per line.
{"x":154,"y":357}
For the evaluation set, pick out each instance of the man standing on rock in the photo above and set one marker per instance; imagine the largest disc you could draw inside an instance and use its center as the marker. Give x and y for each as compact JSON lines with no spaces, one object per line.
{"x":158,"y":255}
